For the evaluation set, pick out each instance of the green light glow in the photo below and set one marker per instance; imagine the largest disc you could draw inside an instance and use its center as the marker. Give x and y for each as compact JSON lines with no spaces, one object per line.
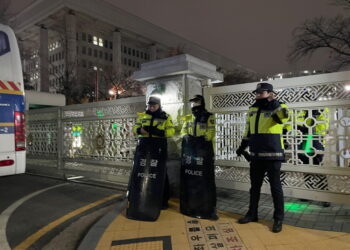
{"x":296,"y":207}
{"x":115,"y":126}
{"x":99,"y":113}
{"x":308,"y":144}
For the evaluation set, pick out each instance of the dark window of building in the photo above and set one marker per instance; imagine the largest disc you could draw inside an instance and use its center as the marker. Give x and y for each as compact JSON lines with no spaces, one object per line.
{"x":110,"y":45}
{"x":138,"y":64}
{"x":125,"y":49}
{"x":105,"y":44}
{"x":59,"y":56}
{"x":101,"y":54}
{"x":133,"y":64}
{"x":95,"y":53}
{"x":133,"y":52}
{"x":111,"y":57}
{"x":129,"y":51}
{"x":141,"y":54}
{"x":125,"y":61}
{"x":106,"y":56}
{"x":89,"y":51}
{"x":89,"y":38}
{"x":56,"y":56}
{"x":83,"y":62}
{"x":77,"y":36}
{"x":137,"y":54}
{"x":129,"y":62}
{"x":83,"y":36}
{"x":83,"y":50}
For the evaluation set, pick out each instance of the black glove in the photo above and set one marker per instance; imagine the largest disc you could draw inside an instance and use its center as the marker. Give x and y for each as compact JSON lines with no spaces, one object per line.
{"x":274,"y":104}
{"x":146,"y":128}
{"x":156,"y":131}
{"x":242,"y":147}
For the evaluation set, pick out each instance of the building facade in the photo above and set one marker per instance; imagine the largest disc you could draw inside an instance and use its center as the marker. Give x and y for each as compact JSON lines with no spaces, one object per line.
{"x":84,"y":47}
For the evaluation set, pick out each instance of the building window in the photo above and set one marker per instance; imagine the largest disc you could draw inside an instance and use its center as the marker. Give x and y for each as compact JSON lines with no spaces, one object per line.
{"x":84,"y":63}
{"x":129,"y":62}
{"x":133,"y":52}
{"x":83,"y":36}
{"x":129,"y":51}
{"x":125,"y":61}
{"x":141,"y":54}
{"x":100,"y":42}
{"x":83,"y":50}
{"x":95,"y":53}
{"x":106,"y":56}
{"x":101,"y":54}
{"x":105,"y":44}
{"x":95,"y":42}
{"x":138,"y":64}
{"x":89,"y":51}
{"x":111,"y":57}
{"x":89,"y":38}
{"x":77,"y":36}
{"x":110,"y":45}
{"x":137,"y":54}
{"x":125,"y":49}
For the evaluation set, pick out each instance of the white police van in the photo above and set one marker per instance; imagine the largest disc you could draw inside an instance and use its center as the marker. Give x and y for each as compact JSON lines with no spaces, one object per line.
{"x":12,"y":106}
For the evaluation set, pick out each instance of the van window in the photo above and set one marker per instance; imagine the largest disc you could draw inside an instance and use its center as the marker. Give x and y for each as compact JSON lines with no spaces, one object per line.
{"x":4,"y":43}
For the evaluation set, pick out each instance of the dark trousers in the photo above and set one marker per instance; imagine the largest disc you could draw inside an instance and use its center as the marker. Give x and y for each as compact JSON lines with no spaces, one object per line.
{"x":258,"y":168}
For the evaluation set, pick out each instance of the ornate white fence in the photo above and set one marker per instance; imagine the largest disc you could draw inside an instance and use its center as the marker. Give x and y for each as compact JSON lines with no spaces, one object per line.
{"x":93,"y":140}
{"x":324,"y":172}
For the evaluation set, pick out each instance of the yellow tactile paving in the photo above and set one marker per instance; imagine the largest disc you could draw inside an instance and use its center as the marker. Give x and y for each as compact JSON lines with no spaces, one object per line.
{"x":225,"y":233}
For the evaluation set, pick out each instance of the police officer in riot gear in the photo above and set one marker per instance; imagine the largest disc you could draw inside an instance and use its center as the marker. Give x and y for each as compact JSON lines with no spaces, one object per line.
{"x":149,"y":184}
{"x":197,"y":182}
{"x":263,"y":135}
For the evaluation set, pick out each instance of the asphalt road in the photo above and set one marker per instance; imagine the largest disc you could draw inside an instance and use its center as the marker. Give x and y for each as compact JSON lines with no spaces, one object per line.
{"x":34,"y":210}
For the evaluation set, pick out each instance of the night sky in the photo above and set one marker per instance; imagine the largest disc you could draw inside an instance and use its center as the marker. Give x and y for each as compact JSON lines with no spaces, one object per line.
{"x":255,"y":34}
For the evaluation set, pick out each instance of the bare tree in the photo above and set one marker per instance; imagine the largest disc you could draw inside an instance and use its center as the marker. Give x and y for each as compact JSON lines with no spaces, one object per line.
{"x":238,"y":76}
{"x":332,"y":34}
{"x":123,"y":85}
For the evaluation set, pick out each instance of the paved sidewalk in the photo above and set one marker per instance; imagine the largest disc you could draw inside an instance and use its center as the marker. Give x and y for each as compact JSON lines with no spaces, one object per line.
{"x":174,"y":231}
{"x":308,"y":214}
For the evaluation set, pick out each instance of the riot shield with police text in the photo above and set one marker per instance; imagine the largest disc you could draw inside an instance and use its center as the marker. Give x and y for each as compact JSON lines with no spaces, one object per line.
{"x":197,"y":180}
{"x":146,"y":185}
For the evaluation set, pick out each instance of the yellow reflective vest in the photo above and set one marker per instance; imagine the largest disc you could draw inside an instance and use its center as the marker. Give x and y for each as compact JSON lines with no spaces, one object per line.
{"x":263,"y":130}
{"x":203,"y":127}
{"x":164,"y":123}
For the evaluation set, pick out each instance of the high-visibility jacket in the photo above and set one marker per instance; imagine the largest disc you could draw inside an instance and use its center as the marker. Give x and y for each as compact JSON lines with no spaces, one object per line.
{"x":205,"y":126}
{"x":263,"y":130}
{"x":163,"y":123}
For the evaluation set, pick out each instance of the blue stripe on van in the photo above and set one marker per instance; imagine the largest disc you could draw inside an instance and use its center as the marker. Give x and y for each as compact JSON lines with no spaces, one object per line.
{"x":10,"y":104}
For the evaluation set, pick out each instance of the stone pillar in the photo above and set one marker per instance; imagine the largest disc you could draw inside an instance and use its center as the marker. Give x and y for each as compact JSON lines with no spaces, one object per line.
{"x":153,"y":52}
{"x":44,"y":60}
{"x":176,"y":79}
{"x":71,"y":45}
{"x":117,"y":51}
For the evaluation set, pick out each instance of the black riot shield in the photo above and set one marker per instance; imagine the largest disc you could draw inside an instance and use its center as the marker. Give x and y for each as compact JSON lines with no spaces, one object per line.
{"x":146,"y":184}
{"x":197,"y":183}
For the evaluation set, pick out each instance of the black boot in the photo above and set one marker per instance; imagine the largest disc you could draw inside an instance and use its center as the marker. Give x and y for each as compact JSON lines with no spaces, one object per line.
{"x":248,"y":218}
{"x":277,"y":226}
